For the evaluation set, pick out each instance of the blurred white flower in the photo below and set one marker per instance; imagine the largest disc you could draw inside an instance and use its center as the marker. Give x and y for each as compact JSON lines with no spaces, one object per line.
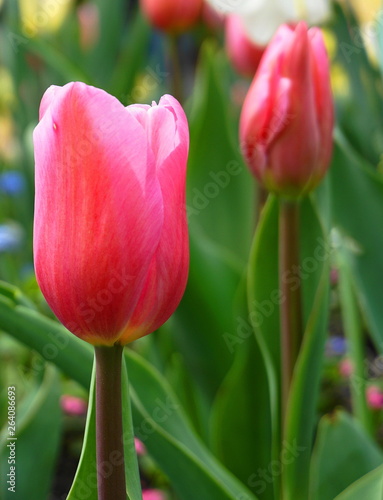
{"x":261,"y":18}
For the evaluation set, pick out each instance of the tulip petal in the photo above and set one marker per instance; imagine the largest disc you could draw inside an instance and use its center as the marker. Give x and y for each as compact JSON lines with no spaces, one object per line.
{"x":169,"y":138}
{"x":98,"y":210}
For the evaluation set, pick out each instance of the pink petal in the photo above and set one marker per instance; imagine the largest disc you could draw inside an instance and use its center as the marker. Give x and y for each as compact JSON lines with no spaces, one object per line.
{"x":169,"y":138}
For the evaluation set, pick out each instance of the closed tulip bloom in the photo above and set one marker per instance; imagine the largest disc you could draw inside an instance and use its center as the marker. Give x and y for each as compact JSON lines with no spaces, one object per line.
{"x":244,"y":54}
{"x":110,"y":232}
{"x":287,"y":118}
{"x":172,"y":15}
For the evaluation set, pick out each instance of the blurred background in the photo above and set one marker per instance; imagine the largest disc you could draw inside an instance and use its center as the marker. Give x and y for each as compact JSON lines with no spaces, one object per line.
{"x":115,"y":46}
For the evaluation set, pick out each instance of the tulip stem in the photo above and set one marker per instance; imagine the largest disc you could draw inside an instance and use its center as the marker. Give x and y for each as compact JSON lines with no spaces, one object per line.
{"x":290,"y":285}
{"x":109,"y":430}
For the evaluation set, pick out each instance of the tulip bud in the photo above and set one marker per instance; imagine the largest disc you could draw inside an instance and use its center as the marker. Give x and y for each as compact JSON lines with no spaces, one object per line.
{"x":110,"y":233}
{"x":242,"y":52}
{"x":287,"y":118}
{"x":172,"y":15}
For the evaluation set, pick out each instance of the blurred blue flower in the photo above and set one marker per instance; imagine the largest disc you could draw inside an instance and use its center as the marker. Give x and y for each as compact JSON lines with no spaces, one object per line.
{"x":336,"y":346}
{"x":12,"y":182}
{"x":11,"y":237}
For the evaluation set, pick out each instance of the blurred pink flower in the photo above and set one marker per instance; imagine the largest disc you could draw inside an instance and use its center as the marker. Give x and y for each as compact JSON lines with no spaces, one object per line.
{"x":345,"y":367}
{"x":243,"y":53}
{"x":374,"y":397}
{"x":153,"y":495}
{"x":334,"y":276}
{"x":88,"y":16}
{"x":140,"y":447}
{"x":72,"y":405}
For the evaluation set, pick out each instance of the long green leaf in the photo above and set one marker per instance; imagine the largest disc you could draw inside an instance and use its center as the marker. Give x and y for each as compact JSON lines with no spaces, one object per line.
{"x":263,"y":310}
{"x":343,"y":454}
{"x":244,"y":401}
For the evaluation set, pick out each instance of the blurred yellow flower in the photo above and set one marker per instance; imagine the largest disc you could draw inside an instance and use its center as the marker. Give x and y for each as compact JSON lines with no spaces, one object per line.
{"x":366,"y":11}
{"x":43,"y":16}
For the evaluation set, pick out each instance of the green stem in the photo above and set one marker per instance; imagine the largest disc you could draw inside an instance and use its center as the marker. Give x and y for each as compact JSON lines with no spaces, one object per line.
{"x":290,"y":286}
{"x":353,"y":330}
{"x":109,"y":430}
{"x":177,"y":89}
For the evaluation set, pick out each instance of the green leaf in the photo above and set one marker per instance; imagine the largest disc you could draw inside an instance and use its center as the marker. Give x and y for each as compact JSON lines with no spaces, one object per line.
{"x":244,"y":401}
{"x":220,"y":187}
{"x":38,"y":427}
{"x":103,"y":56}
{"x":132,"y":475}
{"x":47,"y":337}
{"x":359,"y":113}
{"x":131,"y":59}
{"x":263,"y":307}
{"x":158,"y":418}
{"x":355,"y":184}
{"x":369,"y":486}
{"x":353,"y":329}
{"x":343,"y":453}
{"x":201,"y":332}
{"x":85,"y":481}
{"x":57,"y":60}
{"x":164,"y":429}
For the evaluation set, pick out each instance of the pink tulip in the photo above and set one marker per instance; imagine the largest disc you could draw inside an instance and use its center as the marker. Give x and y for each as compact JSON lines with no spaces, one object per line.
{"x":72,"y":405}
{"x":374,"y":397}
{"x":287,"y":117}
{"x":346,"y":367}
{"x":139,"y":446}
{"x":244,"y":54}
{"x":110,"y":233}
{"x":172,"y":15}
{"x":153,"y":495}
